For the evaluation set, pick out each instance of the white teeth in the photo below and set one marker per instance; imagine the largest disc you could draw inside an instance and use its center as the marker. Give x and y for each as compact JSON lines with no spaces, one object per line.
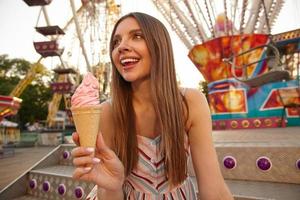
{"x":127,"y":60}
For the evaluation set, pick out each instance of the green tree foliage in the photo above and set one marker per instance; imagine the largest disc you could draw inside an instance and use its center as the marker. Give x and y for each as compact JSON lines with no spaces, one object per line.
{"x":35,"y":97}
{"x":11,"y":71}
{"x":203,"y":88}
{"x":35,"y":103}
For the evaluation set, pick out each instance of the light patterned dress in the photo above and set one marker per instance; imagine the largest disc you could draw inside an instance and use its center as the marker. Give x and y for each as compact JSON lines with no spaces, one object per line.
{"x":148,"y":181}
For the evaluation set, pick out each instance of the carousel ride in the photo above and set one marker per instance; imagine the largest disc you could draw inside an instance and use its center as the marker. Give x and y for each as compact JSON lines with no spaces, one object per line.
{"x":253,"y":90}
{"x":246,"y":67}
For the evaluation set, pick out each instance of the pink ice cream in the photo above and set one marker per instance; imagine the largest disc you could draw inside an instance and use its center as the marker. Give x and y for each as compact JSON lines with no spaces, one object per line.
{"x":87,"y":93}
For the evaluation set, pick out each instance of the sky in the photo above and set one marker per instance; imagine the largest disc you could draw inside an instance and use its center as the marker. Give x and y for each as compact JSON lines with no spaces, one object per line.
{"x":17,"y":33}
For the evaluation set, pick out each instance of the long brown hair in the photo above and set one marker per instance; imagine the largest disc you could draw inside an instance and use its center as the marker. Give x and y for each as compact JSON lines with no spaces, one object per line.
{"x":168,"y":102}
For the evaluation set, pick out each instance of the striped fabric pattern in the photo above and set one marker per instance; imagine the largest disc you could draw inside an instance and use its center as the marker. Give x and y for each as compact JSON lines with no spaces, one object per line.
{"x":148,"y":182}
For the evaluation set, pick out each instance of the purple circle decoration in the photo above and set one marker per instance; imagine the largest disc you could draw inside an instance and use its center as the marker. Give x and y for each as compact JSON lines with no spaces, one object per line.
{"x":79,"y":193}
{"x":264,"y":163}
{"x":66,"y":154}
{"x":46,"y":186}
{"x":229,"y":162}
{"x":61,"y":189}
{"x":33,"y":183}
{"x":298,"y":164}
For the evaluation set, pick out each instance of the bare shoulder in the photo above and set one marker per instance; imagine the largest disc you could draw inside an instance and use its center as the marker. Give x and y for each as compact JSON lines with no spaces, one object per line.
{"x":195,"y":98}
{"x":106,"y":122}
{"x":199,"y":112}
{"x":204,"y":158}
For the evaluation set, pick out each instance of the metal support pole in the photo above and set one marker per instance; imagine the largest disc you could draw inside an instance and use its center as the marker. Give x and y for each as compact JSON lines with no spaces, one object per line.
{"x":80,"y":36}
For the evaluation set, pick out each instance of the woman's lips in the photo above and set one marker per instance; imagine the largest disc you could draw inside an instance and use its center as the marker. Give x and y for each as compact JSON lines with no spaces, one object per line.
{"x":130,"y":65}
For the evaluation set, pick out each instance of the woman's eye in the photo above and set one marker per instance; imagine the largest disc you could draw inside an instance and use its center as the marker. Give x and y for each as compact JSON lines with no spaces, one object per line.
{"x":138,"y":36}
{"x":116,"y":43}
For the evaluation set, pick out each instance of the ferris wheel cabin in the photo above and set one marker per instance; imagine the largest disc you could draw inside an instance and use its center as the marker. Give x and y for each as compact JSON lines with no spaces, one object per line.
{"x":49,"y":48}
{"x":37,"y":2}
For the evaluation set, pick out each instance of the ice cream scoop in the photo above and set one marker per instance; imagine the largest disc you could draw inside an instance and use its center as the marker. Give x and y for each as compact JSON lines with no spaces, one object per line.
{"x":85,"y":107}
{"x":87,"y":93}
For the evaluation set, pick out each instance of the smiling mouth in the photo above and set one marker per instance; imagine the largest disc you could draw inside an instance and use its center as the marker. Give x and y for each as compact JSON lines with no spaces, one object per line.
{"x":129,"y":62}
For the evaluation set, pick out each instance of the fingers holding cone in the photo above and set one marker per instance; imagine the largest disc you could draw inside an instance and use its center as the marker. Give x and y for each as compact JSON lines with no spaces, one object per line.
{"x":103,"y":168}
{"x":83,"y":157}
{"x":84,"y":161}
{"x":79,"y":172}
{"x":100,"y":145}
{"x":82,"y":152}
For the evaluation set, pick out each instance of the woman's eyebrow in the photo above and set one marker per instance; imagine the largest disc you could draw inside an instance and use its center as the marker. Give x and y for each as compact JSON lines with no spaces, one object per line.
{"x":130,"y":32}
{"x":135,"y":30}
{"x":116,"y":36}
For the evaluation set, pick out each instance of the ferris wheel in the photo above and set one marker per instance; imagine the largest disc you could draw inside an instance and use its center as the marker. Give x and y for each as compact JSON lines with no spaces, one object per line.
{"x":239,"y":22}
{"x":84,"y":38}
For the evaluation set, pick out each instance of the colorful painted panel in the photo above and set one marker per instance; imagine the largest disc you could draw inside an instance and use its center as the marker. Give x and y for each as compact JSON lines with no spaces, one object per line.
{"x":234,"y":104}
{"x":261,"y":106}
{"x":228,"y":101}
{"x":209,"y":56}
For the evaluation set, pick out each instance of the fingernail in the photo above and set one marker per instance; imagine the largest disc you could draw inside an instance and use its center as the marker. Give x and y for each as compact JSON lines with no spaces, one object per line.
{"x":96,"y":160}
{"x":87,"y":169}
{"x":90,"y":149}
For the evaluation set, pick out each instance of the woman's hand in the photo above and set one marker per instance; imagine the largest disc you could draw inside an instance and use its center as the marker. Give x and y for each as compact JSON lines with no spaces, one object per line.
{"x":104,"y":169}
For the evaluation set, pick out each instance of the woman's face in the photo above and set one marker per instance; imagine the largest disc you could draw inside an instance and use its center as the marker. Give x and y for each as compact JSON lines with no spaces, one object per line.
{"x":130,"y":53}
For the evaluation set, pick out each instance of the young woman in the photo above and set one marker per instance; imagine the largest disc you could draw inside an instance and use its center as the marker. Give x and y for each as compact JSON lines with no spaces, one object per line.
{"x":150,"y":127}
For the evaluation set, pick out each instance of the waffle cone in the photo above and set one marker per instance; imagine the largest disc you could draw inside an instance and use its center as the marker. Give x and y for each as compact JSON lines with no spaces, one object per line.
{"x":87,"y":123}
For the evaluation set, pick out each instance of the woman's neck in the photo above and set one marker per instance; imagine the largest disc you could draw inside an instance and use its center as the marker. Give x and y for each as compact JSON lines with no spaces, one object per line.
{"x":146,"y":120}
{"x":142,"y":92}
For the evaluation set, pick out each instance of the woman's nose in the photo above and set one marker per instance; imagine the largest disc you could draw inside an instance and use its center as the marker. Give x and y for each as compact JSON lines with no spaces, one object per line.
{"x":123,"y":47}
